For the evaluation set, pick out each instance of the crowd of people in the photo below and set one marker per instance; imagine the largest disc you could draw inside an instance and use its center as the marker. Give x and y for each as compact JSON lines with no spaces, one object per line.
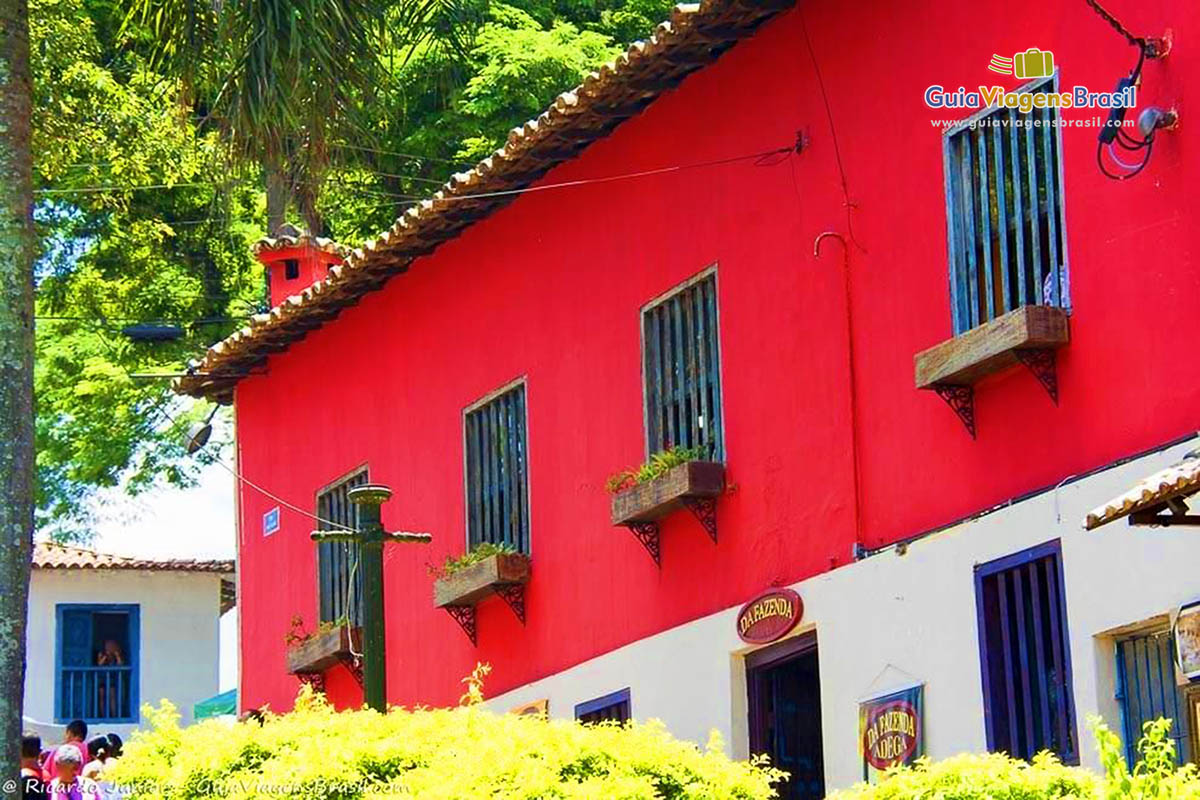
{"x":72,"y":770}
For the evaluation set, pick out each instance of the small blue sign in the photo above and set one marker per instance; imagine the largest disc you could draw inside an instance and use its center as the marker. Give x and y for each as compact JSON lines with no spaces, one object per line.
{"x":271,"y":521}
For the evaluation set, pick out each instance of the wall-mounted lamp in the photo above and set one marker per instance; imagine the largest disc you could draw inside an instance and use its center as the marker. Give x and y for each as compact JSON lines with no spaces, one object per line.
{"x":199,"y":433}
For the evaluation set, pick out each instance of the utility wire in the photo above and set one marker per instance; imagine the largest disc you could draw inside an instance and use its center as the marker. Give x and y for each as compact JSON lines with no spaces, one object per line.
{"x":86,"y":189}
{"x":764,"y":158}
{"x":1136,"y":41}
{"x":837,"y":152}
{"x":136,"y":321}
{"x":243,"y":479}
{"x":414,"y":156}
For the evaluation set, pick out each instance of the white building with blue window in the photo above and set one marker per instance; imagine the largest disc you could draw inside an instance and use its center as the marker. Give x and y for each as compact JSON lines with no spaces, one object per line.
{"x":109,"y":633}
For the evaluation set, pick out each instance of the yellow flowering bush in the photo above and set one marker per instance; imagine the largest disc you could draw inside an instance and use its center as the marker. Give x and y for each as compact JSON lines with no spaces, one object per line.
{"x":998,"y":777}
{"x":317,"y":753}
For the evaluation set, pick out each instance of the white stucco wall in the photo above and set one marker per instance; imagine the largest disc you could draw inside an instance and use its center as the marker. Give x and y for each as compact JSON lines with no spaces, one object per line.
{"x":891,"y":618}
{"x":179,"y":636}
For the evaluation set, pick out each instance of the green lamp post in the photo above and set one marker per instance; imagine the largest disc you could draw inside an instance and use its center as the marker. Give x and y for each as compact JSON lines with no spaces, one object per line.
{"x":371,"y":538}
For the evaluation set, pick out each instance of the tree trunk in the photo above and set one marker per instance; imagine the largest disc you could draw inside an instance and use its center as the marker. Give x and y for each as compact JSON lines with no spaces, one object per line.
{"x":277,"y":197}
{"x":17,"y":248}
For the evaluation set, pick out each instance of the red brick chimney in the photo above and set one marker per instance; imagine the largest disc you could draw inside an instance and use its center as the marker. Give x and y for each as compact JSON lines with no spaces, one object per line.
{"x":295,"y":260}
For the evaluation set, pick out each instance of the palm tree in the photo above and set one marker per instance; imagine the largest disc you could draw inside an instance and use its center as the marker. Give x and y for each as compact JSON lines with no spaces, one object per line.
{"x":286,"y":80}
{"x":17,"y":251}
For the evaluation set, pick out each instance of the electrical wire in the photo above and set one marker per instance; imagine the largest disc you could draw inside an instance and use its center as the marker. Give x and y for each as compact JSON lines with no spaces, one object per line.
{"x":1124,"y":176}
{"x":86,"y":189}
{"x":1121,"y":138}
{"x":136,"y":321}
{"x":837,"y":152}
{"x":337,"y":526}
{"x":763,"y":158}
{"x":413,"y":156}
{"x":1136,"y":41}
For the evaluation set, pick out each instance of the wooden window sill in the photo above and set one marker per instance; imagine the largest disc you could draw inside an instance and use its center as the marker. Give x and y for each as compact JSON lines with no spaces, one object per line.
{"x":323,"y":650}
{"x":992,"y":347}
{"x":694,"y":486}
{"x":502,"y":574}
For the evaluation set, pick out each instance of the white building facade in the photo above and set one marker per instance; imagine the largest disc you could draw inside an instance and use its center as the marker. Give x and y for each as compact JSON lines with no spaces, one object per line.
{"x":925,"y":614}
{"x":107,"y":634}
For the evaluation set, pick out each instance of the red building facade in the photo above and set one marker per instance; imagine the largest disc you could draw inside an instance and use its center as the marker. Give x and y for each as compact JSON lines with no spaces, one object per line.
{"x":830,"y":449}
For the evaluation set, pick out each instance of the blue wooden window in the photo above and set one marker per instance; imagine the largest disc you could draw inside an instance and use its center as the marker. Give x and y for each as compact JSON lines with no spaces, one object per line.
{"x":97,"y":656}
{"x":497,"y":466}
{"x":1004,"y":212}
{"x":339,"y":578}
{"x":1146,"y":690}
{"x":681,"y":370}
{"x":612,"y":707}
{"x":1025,"y":654}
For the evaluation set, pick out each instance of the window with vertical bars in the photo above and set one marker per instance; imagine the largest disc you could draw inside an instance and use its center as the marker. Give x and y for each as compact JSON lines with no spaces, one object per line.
{"x":1025,"y":654}
{"x":1146,"y":691}
{"x":498,"y":472}
{"x":682,"y":371}
{"x":1004,"y":213}
{"x":609,"y":708}
{"x":339,"y":578}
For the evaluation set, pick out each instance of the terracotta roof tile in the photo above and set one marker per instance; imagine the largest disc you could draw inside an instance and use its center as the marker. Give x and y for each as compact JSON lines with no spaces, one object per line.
{"x":48,"y":555}
{"x":291,"y":236}
{"x":1180,"y":480}
{"x":695,"y":36}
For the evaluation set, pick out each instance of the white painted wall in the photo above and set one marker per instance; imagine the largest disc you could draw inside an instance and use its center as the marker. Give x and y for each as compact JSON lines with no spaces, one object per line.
{"x":890,"y":618}
{"x":179,"y":636}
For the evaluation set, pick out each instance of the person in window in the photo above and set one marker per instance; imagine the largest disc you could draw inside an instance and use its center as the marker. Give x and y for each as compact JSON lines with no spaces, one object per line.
{"x":32,"y":786}
{"x":75,"y":735}
{"x":112,"y":655}
{"x":67,"y":783}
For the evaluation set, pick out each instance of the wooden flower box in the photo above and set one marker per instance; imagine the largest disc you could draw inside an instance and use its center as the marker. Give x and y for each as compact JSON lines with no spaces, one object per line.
{"x":655,"y":499}
{"x":469,"y":585}
{"x":991,"y":347}
{"x":323,"y":649}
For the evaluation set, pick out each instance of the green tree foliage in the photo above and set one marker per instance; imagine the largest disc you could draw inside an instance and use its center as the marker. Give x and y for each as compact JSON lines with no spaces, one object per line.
{"x":115,"y":255}
{"x":465,"y":752}
{"x":454,"y":76}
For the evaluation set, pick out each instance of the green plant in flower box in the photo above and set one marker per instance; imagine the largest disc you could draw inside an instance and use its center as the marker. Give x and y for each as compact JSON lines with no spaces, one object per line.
{"x":478,"y":553}
{"x":656,"y":466}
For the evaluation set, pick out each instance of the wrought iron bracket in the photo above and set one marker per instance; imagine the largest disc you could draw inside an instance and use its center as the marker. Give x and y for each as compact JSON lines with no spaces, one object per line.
{"x":961,"y":399}
{"x":353,"y":664}
{"x":514,"y":595}
{"x":465,"y":617}
{"x":704,"y":509}
{"x":1042,"y":362}
{"x":647,"y":534}
{"x":314,"y":679}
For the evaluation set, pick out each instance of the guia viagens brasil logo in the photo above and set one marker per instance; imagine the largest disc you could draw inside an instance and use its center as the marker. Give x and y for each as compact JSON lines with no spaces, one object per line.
{"x":1033,"y":64}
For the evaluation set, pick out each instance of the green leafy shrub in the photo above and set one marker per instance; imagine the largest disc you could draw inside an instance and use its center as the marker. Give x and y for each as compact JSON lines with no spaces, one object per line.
{"x":314,"y":752}
{"x":657,"y":465}
{"x":998,"y":777}
{"x":478,"y":553}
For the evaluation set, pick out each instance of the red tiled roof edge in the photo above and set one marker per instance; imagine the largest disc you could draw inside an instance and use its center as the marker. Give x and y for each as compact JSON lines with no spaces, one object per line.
{"x":693,"y":38}
{"x":49,"y":555}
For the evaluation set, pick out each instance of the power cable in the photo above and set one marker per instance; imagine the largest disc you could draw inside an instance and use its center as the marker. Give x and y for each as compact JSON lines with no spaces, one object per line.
{"x":413,"y":156}
{"x":763,"y":158}
{"x":1136,"y":41}
{"x":87,"y":189}
{"x":837,"y":152}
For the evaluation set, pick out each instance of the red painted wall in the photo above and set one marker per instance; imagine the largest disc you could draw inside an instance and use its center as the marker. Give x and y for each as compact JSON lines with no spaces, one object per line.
{"x":550,"y":288}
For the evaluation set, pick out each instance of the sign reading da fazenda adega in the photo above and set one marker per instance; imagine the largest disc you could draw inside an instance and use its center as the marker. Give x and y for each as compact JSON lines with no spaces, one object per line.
{"x":769,"y":616}
{"x":891,"y":731}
